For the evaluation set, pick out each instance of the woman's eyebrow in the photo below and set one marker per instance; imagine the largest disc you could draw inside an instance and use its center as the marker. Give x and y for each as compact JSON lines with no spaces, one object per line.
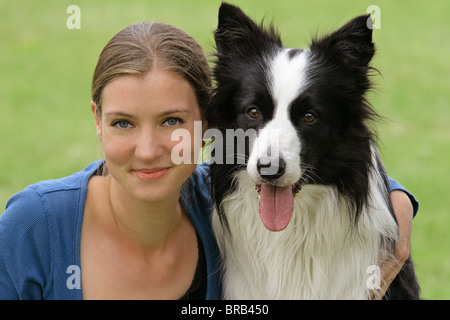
{"x":165,"y":113}
{"x":118,"y":113}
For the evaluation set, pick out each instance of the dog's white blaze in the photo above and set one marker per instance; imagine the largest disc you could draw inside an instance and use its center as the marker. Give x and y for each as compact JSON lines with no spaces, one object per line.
{"x":287,"y":78}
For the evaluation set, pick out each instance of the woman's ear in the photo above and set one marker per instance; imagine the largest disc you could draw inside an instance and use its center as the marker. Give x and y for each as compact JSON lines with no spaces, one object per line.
{"x":98,"y":122}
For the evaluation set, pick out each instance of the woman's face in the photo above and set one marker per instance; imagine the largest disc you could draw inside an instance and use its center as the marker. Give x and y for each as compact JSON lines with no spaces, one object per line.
{"x":138,"y":117}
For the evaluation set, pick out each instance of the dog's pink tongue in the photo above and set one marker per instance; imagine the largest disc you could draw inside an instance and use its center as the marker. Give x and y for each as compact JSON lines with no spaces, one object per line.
{"x":276,"y":206}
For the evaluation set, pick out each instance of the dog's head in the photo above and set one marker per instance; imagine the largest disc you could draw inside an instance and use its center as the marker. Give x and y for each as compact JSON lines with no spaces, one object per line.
{"x":306,"y":108}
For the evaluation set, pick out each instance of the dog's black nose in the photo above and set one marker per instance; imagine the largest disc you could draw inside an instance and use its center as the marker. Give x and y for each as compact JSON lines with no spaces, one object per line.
{"x":271,"y":168}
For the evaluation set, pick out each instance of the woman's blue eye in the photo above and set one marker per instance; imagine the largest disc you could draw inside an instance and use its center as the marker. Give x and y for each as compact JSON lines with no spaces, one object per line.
{"x":122,"y":124}
{"x":173,"y":121}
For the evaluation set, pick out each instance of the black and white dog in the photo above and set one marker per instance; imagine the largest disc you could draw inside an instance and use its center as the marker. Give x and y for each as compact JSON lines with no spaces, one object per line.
{"x":309,"y":169}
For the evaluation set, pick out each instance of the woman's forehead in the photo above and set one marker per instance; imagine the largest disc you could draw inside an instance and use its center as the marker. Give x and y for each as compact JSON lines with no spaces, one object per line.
{"x":159,"y":90}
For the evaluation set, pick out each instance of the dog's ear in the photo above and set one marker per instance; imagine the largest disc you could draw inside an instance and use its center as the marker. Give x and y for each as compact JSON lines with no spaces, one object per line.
{"x":237,"y":34}
{"x":351,"y":44}
{"x":232,"y":16}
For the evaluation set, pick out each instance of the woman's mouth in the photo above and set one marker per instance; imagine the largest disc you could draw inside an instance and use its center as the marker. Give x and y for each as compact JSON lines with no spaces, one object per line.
{"x":150,"y":174}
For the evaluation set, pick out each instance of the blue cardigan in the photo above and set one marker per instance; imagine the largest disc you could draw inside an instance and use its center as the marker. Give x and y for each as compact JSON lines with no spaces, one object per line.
{"x":40,"y":234}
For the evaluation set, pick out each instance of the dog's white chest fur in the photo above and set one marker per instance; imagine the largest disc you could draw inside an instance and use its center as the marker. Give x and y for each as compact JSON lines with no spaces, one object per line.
{"x":320,"y":255}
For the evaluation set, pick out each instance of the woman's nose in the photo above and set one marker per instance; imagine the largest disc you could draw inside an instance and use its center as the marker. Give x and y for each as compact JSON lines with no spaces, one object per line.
{"x":148,"y":145}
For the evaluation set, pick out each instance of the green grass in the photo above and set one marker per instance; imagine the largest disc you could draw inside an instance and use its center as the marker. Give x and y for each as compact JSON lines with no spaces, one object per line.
{"x":47,"y":129}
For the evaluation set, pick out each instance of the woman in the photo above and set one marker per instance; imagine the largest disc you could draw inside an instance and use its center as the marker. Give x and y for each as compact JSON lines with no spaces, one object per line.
{"x":134,"y":226}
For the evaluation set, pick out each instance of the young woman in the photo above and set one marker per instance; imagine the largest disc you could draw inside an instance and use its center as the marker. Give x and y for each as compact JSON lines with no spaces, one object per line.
{"x":134,"y":226}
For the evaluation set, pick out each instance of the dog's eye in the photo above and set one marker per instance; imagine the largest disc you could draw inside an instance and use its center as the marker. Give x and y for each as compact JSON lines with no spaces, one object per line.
{"x":309,"y":117}
{"x":253,"y":112}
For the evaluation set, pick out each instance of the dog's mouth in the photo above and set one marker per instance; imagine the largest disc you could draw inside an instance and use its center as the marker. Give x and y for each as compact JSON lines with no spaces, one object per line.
{"x":276,"y":204}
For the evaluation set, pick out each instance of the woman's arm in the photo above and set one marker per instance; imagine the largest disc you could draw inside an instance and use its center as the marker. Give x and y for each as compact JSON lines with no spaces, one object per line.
{"x":404,"y":213}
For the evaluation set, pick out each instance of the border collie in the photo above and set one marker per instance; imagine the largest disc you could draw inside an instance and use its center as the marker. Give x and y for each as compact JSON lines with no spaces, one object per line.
{"x":303,"y":210}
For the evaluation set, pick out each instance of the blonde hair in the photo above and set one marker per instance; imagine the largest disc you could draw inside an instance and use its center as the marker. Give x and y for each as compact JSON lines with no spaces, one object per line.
{"x":140,"y":47}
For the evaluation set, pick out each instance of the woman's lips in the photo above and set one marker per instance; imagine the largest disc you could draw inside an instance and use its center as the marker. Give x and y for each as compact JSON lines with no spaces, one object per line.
{"x":150,"y":174}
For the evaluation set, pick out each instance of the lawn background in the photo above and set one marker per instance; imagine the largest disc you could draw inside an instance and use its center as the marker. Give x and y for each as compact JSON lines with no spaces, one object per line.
{"x":47,"y":129}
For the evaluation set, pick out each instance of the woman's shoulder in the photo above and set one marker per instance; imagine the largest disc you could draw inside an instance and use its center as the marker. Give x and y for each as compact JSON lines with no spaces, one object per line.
{"x":38,"y":225}
{"x":198,"y":187}
{"x":74,"y":181}
{"x":22,"y":209}
{"x":196,"y":195}
{"x":37,"y":201}
{"x":201,"y":172}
